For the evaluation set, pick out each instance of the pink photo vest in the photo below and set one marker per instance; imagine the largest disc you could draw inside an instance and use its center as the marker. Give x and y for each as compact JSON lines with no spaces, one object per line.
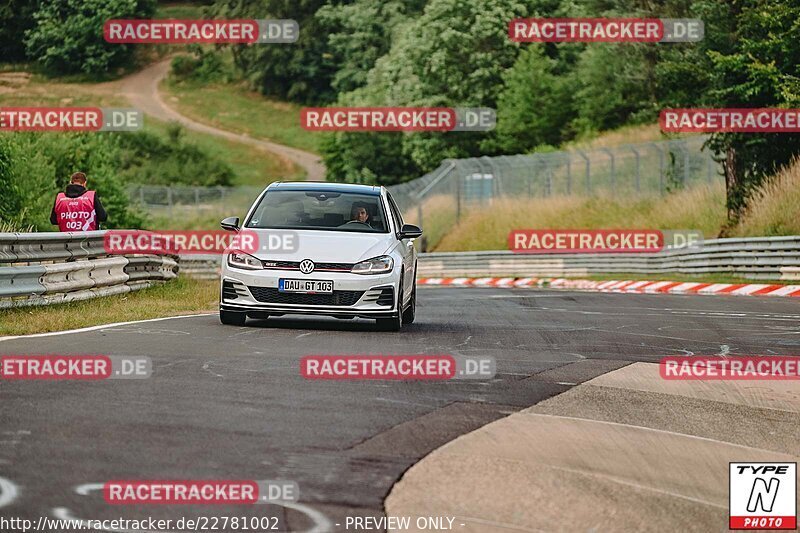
{"x":76,"y":214}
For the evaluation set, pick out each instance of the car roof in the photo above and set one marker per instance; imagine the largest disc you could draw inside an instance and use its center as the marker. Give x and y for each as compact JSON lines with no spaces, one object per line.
{"x":326,"y":187}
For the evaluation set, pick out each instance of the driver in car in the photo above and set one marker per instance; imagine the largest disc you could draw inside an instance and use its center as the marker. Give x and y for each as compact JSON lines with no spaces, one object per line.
{"x":359,"y":214}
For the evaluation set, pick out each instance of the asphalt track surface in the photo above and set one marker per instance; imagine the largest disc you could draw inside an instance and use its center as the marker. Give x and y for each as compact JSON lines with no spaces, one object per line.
{"x":229,"y":403}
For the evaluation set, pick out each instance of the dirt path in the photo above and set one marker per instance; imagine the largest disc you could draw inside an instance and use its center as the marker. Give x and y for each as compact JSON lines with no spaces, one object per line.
{"x":141,"y":89}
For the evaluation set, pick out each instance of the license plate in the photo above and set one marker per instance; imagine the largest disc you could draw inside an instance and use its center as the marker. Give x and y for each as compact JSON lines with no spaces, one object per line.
{"x":308,"y":286}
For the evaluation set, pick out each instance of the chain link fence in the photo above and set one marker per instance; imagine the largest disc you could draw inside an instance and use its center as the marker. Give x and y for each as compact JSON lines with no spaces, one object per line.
{"x":437,"y":200}
{"x":193,"y":203}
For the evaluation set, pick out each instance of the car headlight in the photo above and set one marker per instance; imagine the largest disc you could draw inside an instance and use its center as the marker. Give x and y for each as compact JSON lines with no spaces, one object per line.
{"x":376,"y":265}
{"x":239,"y":259}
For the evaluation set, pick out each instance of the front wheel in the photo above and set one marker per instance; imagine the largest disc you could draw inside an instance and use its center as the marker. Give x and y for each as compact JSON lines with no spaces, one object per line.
{"x":408,"y":314}
{"x":232,"y":318}
{"x":394,"y":323}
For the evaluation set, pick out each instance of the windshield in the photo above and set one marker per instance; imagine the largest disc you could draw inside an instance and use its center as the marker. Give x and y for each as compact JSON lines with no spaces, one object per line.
{"x":319,"y":210}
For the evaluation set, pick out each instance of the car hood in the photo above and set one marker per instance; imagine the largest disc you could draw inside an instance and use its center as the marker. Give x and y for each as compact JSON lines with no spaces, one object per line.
{"x":323,"y":246}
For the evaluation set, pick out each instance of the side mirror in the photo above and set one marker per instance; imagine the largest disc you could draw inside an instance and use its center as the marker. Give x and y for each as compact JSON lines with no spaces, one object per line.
{"x":409,"y":231}
{"x":230,"y":224}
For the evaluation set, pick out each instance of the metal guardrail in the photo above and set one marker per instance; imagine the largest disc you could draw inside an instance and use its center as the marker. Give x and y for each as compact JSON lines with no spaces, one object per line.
{"x":47,"y":268}
{"x":752,"y":258}
{"x":201,"y":266}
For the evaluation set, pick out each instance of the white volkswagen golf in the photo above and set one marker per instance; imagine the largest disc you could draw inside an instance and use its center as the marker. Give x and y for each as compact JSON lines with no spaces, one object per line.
{"x":352,"y":256}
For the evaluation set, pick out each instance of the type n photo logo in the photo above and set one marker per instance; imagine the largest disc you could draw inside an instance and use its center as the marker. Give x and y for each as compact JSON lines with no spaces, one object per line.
{"x":763,"y":496}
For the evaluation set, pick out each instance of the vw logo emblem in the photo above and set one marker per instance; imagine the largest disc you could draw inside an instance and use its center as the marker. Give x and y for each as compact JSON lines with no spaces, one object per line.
{"x":306,"y":266}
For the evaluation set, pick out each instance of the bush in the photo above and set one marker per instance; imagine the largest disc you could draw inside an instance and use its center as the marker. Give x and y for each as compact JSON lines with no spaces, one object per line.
{"x":68,"y":35}
{"x":148,"y":158}
{"x":34,"y":167}
{"x":16,"y":17}
{"x":203,"y":66}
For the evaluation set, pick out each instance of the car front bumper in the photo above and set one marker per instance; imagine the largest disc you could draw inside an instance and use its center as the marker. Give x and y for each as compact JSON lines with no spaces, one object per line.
{"x":355,"y":295}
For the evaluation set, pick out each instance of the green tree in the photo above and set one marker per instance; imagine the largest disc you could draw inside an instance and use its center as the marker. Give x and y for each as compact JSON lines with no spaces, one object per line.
{"x":68,"y":35}
{"x":454,"y":54}
{"x":16,"y":17}
{"x":361,"y":32}
{"x":301,"y":71}
{"x":613,"y":87}
{"x":536,"y":105}
{"x":750,"y":58}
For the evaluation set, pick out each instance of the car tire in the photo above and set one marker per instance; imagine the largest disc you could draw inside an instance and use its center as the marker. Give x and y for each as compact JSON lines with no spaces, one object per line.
{"x":408,"y":314}
{"x":395,"y":323}
{"x":232,"y":318}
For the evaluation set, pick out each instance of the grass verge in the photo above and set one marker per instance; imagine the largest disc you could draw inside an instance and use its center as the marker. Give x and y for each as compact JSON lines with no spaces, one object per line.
{"x":774,"y":209}
{"x":634,"y":134}
{"x":252,"y":165}
{"x":487,"y":228}
{"x":234,"y":108}
{"x":177,"y":297}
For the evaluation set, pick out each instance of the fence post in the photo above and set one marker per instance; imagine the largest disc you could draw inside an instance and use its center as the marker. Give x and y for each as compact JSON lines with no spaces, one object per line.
{"x":569,"y":174}
{"x":638,"y":176}
{"x":222,"y":198}
{"x":169,"y":200}
{"x":588,"y":170}
{"x":685,"y":164}
{"x":548,"y":186}
{"x":613,"y":172}
{"x":496,"y":185}
{"x":660,"y":168}
{"x":458,"y":198}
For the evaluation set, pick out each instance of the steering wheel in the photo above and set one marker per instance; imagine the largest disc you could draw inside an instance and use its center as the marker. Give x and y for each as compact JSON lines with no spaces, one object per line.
{"x":356,"y":222}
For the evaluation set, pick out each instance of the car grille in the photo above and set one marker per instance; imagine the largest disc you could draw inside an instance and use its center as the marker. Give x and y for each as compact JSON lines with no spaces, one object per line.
{"x":318,"y":267}
{"x":274,"y":296}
